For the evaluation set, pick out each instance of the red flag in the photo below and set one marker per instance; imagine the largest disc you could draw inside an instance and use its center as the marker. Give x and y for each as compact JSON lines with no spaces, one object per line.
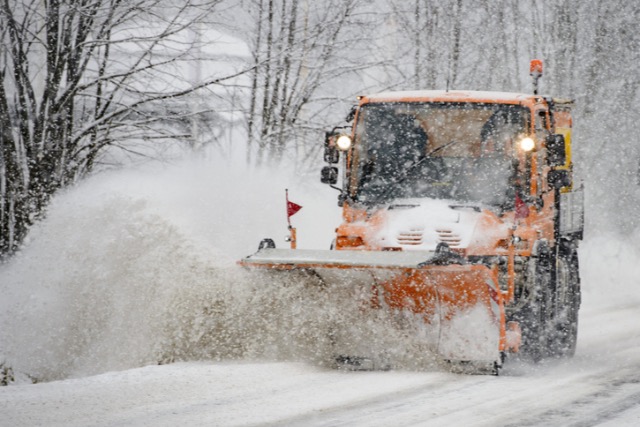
{"x":522,"y":210}
{"x":292,"y":208}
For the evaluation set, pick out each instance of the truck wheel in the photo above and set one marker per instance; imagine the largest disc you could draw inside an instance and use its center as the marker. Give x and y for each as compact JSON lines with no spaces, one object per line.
{"x":534,"y":316}
{"x":564,"y":336}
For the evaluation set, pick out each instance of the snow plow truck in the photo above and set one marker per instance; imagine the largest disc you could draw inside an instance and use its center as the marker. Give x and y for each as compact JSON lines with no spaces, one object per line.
{"x":461,"y":208}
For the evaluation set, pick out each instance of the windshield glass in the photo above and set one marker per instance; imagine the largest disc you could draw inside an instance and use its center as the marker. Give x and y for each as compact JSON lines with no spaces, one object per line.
{"x":456,"y":151}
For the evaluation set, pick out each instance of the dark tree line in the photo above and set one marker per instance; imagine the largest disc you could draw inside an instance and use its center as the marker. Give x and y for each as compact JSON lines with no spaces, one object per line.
{"x":590,"y":49}
{"x":79,"y":79}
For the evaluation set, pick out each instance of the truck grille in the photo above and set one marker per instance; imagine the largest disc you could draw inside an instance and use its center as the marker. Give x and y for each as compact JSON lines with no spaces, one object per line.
{"x":410,"y":237}
{"x":448,"y":237}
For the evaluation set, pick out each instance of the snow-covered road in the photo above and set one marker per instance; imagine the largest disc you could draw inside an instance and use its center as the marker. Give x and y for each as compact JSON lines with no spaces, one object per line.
{"x":600,"y":386}
{"x":83,"y":325}
{"x":596,"y":388}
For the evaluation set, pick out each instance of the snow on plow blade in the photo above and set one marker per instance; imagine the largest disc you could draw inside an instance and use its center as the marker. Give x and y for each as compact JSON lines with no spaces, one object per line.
{"x":460,"y":304}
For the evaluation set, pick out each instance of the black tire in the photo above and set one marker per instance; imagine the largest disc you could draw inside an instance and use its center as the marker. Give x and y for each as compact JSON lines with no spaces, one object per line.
{"x":563,"y":335}
{"x":535,"y":314}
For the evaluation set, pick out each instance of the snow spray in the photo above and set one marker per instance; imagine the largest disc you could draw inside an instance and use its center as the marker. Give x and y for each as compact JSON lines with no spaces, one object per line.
{"x":132,"y":268}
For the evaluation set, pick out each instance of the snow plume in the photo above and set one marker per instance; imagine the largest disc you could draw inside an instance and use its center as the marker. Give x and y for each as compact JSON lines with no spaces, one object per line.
{"x":91,"y":292}
{"x":135,"y":268}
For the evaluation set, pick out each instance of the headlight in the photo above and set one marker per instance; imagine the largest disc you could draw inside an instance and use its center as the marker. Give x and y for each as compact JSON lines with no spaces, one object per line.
{"x":527,"y":144}
{"x":343,"y":142}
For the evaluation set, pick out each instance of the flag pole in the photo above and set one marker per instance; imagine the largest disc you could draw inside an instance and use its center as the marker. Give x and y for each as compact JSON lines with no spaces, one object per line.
{"x":292,"y":209}
{"x":286,"y":195}
{"x":292,"y":231}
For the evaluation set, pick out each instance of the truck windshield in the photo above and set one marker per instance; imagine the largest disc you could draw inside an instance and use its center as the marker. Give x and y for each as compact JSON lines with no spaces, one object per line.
{"x":454,"y":151}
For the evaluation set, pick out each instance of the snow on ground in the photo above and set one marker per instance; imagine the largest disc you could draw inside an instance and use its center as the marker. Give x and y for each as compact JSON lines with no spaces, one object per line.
{"x":114,"y":280}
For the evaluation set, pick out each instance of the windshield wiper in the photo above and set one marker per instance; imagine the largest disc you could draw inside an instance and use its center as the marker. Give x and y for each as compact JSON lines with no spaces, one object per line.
{"x":393,"y":185}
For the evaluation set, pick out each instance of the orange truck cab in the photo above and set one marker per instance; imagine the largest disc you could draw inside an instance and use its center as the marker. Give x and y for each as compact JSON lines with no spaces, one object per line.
{"x":483,"y":177}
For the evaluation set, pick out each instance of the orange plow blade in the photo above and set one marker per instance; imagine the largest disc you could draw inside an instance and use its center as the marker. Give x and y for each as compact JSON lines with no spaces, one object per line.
{"x":460,"y":304}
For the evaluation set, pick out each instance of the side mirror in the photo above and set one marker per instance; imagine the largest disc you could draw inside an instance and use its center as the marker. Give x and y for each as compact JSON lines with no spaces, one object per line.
{"x":556,"y":150}
{"x":341,"y":199}
{"x":352,"y":114}
{"x":329,"y":175}
{"x":559,"y":178}
{"x":331,"y":153}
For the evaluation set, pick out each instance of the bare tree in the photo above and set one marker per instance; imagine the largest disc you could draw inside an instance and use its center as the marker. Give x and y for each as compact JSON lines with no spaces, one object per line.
{"x":81,"y":78}
{"x":297,"y":44}
{"x":78,"y":78}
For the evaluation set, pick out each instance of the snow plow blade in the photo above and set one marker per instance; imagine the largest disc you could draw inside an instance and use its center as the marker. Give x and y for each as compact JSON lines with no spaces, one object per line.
{"x":460,"y":303}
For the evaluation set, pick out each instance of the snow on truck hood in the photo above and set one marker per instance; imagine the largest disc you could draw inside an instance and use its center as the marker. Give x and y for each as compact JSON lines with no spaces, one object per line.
{"x":420,"y":224}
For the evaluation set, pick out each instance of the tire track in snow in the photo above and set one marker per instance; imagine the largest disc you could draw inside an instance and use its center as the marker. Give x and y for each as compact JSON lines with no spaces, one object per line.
{"x":619,"y":391}
{"x":586,"y":399}
{"x":383,"y":409}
